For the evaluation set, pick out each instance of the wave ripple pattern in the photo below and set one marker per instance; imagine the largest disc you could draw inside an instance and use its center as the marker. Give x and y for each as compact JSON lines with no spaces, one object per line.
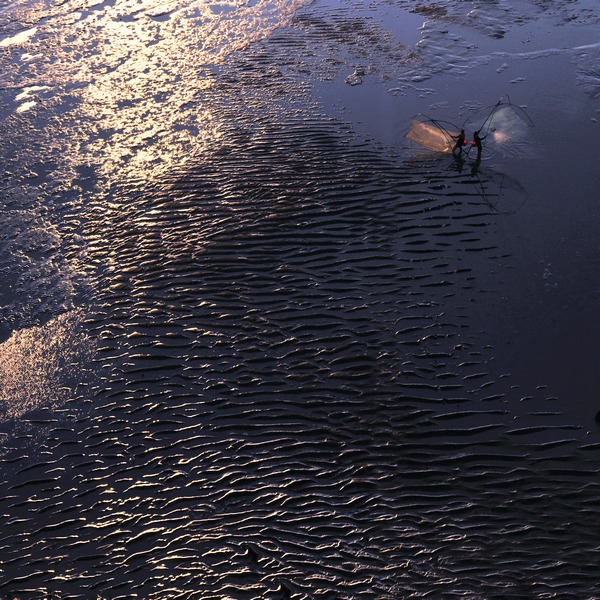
{"x":288,"y":396}
{"x":295,"y":404}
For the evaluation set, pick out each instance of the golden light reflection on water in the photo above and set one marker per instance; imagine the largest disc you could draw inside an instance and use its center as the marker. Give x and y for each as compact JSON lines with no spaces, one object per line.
{"x":501,"y":137}
{"x":19,"y":38}
{"x":123,"y":89}
{"x":130,"y":77}
{"x":42,"y":365}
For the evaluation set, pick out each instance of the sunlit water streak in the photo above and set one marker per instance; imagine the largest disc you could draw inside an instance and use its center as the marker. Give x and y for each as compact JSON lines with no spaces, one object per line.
{"x":290,"y":397}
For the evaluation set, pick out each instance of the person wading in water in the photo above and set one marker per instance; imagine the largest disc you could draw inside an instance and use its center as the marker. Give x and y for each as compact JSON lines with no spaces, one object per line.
{"x":460,"y":142}
{"x":477,"y":142}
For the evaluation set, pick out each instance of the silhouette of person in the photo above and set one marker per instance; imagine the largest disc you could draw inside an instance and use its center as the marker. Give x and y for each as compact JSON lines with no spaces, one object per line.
{"x":477,"y":141}
{"x":460,"y":141}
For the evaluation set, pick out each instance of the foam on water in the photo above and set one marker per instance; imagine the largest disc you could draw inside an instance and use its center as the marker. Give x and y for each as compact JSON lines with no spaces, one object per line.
{"x":42,"y":366}
{"x":39,"y":278}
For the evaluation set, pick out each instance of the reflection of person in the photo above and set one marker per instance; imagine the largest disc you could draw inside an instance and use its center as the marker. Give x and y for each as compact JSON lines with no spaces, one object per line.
{"x":459,"y":162}
{"x":460,"y":141}
{"x":477,"y":141}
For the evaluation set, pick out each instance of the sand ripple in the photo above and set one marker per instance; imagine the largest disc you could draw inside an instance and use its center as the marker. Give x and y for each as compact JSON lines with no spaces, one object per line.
{"x":291,"y":402}
{"x":290,"y":395}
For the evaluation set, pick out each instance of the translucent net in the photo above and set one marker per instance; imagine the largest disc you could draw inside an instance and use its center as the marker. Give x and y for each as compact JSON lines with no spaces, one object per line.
{"x":432,"y":134}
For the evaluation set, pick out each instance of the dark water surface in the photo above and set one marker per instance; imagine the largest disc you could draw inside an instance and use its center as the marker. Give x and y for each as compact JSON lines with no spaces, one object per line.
{"x":256,"y":345}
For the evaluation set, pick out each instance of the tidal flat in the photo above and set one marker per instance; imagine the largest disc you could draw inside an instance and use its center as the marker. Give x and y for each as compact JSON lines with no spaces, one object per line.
{"x":256,"y":343}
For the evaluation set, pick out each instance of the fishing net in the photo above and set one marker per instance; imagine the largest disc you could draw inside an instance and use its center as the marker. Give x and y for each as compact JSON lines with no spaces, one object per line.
{"x":501,"y":123}
{"x":434,"y":135}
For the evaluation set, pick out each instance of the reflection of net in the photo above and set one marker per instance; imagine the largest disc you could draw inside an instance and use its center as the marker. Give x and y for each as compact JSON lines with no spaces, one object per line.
{"x":431,"y":136}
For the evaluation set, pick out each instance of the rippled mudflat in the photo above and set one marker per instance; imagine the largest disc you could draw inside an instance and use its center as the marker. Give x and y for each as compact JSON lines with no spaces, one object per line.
{"x":256,"y":344}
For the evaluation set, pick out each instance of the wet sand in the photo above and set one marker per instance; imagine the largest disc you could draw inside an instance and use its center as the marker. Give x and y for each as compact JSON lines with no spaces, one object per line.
{"x":327,"y":363}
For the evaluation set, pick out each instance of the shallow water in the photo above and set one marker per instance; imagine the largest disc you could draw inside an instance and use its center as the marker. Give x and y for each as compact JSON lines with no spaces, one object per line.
{"x":255,"y":344}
